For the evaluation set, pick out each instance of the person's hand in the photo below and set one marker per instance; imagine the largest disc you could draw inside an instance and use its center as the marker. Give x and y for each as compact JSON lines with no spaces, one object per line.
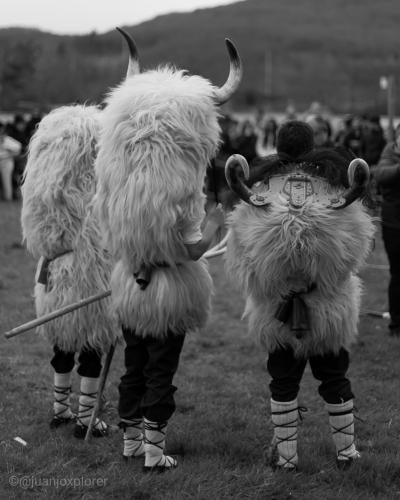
{"x":216,"y":216}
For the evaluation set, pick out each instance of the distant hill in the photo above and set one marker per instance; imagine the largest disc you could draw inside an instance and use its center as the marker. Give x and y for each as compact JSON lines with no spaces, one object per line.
{"x":332,"y":51}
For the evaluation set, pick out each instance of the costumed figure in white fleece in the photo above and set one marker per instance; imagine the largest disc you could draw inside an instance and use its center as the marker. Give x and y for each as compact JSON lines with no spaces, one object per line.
{"x":60,"y":228}
{"x":297,"y":241}
{"x":160,"y":130}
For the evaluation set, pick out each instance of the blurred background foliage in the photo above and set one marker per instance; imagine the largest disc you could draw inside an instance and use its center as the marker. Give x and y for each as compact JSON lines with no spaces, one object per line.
{"x":333,"y":51}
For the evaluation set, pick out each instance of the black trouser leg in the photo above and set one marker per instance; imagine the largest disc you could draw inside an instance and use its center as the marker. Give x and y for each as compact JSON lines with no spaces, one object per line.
{"x":62,"y":362}
{"x":163,"y":358}
{"x":286,"y":372}
{"x":331,"y":370}
{"x":133,"y":384}
{"x":391,"y":239}
{"x":146,"y":388}
{"x":89,"y":361}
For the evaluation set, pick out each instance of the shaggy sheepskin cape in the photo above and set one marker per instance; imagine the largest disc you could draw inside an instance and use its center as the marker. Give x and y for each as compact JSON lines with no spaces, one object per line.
{"x":57,"y":217}
{"x":274,"y":250}
{"x":159,"y":132}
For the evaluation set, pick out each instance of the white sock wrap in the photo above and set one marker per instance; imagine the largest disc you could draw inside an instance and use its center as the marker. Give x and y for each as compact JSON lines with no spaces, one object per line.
{"x":341,"y":420}
{"x":154,"y":444}
{"x":87,"y":400}
{"x":133,"y":437}
{"x":285,"y":417}
{"x":62,"y":391}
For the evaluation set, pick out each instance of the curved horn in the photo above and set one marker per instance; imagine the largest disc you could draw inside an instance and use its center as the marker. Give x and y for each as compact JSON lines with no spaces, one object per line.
{"x":133,"y":65}
{"x":224,"y":93}
{"x":235,"y":178}
{"x":358,"y":175}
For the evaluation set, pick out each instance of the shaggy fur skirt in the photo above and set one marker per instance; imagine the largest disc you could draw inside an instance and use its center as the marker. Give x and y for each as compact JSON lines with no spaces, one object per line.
{"x":72,"y":277}
{"x":177,"y":299}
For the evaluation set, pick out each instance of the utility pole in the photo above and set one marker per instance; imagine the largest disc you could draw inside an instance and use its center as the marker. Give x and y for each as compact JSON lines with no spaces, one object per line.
{"x":391,"y":105}
{"x":269,"y":74}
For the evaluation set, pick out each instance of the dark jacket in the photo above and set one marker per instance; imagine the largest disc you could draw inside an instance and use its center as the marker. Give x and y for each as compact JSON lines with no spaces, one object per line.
{"x":387,"y":177}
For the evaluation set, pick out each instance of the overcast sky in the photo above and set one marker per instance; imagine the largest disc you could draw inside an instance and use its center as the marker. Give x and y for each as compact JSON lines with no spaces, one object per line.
{"x":83,"y":16}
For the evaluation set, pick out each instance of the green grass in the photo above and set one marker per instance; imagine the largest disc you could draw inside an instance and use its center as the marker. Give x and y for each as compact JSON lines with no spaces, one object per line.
{"x":222,"y":423}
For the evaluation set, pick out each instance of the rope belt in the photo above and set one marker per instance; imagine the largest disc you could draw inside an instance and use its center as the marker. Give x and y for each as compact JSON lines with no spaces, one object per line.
{"x":143,"y":276}
{"x":294,"y":308}
{"x":44,"y":273}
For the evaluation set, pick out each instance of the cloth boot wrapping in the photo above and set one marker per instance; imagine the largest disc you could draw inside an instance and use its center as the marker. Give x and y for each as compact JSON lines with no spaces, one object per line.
{"x":341,"y":420}
{"x":285,"y":417}
{"x":154,"y":444}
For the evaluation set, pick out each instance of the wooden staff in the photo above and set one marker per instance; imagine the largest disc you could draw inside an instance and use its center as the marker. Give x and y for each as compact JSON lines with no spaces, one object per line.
{"x":55,"y":314}
{"x":102,"y":384}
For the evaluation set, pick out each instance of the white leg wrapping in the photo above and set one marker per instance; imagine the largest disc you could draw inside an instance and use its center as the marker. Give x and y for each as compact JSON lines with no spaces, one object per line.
{"x":154,"y":444}
{"x":284,"y":417}
{"x":133,"y":437}
{"x":341,"y":420}
{"x":62,"y":391}
{"x":87,"y":400}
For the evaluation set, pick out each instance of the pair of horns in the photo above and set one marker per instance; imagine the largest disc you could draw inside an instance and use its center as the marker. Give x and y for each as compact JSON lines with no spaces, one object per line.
{"x":237,"y":172}
{"x":221,"y":94}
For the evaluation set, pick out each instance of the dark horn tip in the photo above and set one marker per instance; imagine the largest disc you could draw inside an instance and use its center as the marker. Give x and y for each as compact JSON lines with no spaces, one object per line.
{"x":130,"y":41}
{"x":233,"y":52}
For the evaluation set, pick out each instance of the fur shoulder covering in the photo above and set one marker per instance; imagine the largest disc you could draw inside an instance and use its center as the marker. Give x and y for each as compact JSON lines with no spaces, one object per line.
{"x":273,"y":251}
{"x":59,"y":179}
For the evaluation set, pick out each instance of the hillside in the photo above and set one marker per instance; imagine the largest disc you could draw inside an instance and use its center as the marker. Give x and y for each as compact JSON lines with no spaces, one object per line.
{"x":328,"y":50}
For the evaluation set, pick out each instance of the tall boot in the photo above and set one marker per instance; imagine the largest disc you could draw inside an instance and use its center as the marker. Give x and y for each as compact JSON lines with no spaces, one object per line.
{"x":133,"y":438}
{"x":62,"y":405}
{"x":87,"y":400}
{"x":154,"y":444}
{"x":341,"y":420}
{"x":285,"y":417}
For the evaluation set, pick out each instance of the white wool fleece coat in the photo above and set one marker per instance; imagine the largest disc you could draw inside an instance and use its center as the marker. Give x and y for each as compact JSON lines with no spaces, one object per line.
{"x":57,"y":216}
{"x":272,"y":250}
{"x":160,"y":130}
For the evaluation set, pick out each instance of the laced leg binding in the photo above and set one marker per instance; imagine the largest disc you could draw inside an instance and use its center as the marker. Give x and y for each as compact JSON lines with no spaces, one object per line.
{"x":154,"y":444}
{"x":87,"y":401}
{"x":285,"y":417}
{"x":133,"y":438}
{"x":62,"y":410}
{"x":341,"y":420}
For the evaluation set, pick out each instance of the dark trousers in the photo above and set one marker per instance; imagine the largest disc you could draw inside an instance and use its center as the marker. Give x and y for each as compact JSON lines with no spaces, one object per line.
{"x":89,"y":362}
{"x":391,"y":239}
{"x":146,"y":389}
{"x":286,"y":372}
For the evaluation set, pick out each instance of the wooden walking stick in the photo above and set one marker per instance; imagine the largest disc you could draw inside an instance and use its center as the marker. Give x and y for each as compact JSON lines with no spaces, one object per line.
{"x":55,"y":314}
{"x":102,"y":383}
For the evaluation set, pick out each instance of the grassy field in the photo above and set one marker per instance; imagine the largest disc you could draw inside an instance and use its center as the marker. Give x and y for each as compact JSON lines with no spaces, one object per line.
{"x":222,"y":424}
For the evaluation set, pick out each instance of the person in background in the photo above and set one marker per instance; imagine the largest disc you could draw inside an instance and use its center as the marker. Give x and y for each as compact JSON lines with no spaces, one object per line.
{"x":9,"y":149}
{"x":374,"y":140}
{"x":270,"y":131}
{"x":387,"y":178}
{"x":247,"y":140}
{"x":354,"y":139}
{"x":321,"y":131}
{"x":345,"y":128}
{"x":17,"y":130}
